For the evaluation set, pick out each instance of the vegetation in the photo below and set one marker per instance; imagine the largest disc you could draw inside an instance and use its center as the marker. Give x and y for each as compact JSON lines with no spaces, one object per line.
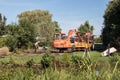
{"x":17,"y":37}
{"x":38,"y":23}
{"x":32,"y":24}
{"x":66,"y":66}
{"x":86,"y":27}
{"x":2,"y":24}
{"x":2,"y":42}
{"x":111,"y":30}
{"x":46,"y":60}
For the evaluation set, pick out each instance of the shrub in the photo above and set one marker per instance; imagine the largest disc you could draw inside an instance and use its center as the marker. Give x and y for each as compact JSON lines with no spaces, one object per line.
{"x":11,"y":42}
{"x":46,"y":60}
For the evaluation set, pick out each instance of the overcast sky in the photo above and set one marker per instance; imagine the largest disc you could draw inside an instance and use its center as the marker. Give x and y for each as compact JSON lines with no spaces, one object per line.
{"x":70,"y":14}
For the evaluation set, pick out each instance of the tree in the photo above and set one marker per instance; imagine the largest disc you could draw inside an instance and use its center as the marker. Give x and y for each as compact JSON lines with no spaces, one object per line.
{"x":38,"y":22}
{"x":17,"y":37}
{"x":57,"y":28}
{"x":111,"y":28}
{"x":86,"y":27}
{"x":2,"y":24}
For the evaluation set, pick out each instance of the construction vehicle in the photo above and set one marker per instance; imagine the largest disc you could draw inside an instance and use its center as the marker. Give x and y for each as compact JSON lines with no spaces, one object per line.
{"x":85,"y":41}
{"x":73,"y":41}
{"x":62,"y":42}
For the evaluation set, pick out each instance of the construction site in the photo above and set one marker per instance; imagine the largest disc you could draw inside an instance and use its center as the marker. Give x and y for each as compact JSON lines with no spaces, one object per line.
{"x":54,"y":40}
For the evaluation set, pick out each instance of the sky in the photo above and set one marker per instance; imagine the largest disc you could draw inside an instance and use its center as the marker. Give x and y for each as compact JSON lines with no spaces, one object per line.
{"x":69,"y":14}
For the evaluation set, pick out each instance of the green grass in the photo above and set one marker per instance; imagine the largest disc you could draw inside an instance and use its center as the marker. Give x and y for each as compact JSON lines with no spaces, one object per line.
{"x":75,"y":67}
{"x":21,"y":59}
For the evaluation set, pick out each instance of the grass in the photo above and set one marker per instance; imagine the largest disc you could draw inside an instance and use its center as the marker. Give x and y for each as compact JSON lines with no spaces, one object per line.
{"x":21,"y":59}
{"x":75,"y":67}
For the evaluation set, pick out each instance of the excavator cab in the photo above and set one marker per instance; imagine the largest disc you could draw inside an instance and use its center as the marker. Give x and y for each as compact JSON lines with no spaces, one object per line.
{"x":60,"y":35}
{"x":62,"y":42}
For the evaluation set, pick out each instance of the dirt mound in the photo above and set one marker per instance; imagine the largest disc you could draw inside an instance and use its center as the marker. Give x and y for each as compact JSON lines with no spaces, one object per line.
{"x":4,"y":51}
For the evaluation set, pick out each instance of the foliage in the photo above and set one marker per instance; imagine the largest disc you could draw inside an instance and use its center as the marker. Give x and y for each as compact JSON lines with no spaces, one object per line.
{"x":2,"y":41}
{"x":82,"y":64}
{"x":38,"y":23}
{"x":86,"y":27}
{"x":16,"y":74}
{"x":18,"y":37}
{"x":46,"y":60}
{"x":11,"y":42}
{"x":112,"y":24}
{"x":21,"y":73}
{"x":86,"y":69}
{"x":31,"y":24}
{"x":57,"y":29}
{"x":2,"y":24}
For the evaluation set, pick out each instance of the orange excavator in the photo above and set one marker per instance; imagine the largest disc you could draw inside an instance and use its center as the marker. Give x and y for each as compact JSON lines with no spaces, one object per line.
{"x":85,"y":41}
{"x":71,"y":42}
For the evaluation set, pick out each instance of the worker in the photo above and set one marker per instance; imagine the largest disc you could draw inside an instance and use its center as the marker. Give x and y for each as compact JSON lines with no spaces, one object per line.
{"x":36,"y":45}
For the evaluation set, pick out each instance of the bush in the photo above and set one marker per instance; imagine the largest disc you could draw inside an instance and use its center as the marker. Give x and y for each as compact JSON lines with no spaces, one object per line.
{"x":11,"y":42}
{"x":46,"y":60}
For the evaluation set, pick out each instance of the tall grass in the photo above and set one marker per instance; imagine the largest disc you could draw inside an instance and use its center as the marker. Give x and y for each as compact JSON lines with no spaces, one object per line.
{"x":65,"y":67}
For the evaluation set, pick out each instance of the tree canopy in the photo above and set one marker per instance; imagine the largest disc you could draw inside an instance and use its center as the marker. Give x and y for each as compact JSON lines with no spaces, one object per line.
{"x":38,"y":22}
{"x":111,"y":28}
{"x":86,"y":27}
{"x":31,"y":24}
